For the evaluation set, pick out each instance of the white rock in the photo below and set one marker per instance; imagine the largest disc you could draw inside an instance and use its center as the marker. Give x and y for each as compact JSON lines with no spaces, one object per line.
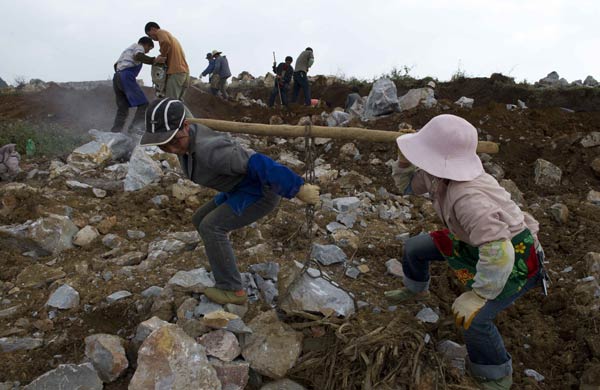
{"x":383,"y":99}
{"x":181,"y":365}
{"x":118,"y":296}
{"x":534,"y":374}
{"x":196,"y":280}
{"x":65,"y":297}
{"x":86,"y":236}
{"x":142,"y":170}
{"x":465,"y":102}
{"x":428,"y":315}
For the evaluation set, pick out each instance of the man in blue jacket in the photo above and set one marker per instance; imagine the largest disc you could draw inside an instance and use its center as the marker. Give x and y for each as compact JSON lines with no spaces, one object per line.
{"x":210,"y":67}
{"x":127,"y":91}
{"x":250,"y":184}
{"x":220,"y":74}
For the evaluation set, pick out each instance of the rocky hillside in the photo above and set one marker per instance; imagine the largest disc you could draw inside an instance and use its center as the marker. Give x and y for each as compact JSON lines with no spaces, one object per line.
{"x":102,"y":273}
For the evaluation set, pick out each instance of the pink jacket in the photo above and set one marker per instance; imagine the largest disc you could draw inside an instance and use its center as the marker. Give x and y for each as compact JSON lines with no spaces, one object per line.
{"x":477,"y":211}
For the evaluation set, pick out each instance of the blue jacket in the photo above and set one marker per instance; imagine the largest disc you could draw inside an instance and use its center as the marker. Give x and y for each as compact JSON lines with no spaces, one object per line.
{"x":209,"y":69}
{"x":222,"y":67}
{"x":216,"y":161}
{"x":261,"y":172}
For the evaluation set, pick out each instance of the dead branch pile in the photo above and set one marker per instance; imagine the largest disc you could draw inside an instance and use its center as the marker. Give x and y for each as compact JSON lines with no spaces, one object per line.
{"x":365,"y":357}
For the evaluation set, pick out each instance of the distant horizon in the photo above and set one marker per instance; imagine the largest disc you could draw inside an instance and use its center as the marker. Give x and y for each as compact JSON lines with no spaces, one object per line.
{"x":70,"y":41}
{"x":344,"y":78}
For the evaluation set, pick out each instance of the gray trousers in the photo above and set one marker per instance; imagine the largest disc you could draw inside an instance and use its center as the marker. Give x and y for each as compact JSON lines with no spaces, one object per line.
{"x":176,"y":85}
{"x":215,"y":222}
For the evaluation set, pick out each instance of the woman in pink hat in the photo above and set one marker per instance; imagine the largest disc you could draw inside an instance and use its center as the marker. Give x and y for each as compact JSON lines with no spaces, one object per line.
{"x":490,"y":244}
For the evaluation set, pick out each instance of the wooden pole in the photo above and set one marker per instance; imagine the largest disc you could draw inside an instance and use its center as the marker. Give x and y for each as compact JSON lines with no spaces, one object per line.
{"x":350,"y":133}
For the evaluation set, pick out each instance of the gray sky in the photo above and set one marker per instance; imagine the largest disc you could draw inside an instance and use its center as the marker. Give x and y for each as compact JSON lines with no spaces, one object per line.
{"x":68,"y":40}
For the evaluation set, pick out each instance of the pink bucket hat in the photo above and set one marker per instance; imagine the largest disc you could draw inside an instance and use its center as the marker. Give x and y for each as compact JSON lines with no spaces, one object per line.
{"x":445,"y":147}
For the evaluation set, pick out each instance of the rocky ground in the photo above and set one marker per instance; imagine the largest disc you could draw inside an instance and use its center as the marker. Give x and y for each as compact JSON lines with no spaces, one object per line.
{"x":77,"y":229}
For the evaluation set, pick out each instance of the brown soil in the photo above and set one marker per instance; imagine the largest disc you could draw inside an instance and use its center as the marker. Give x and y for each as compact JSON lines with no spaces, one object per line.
{"x":556,"y":328}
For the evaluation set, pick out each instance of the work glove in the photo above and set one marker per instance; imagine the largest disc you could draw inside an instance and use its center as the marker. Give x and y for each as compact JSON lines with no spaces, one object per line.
{"x":309,"y":193}
{"x":466,"y":307}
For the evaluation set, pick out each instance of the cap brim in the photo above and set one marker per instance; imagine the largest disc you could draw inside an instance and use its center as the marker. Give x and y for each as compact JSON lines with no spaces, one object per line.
{"x":156,"y":139}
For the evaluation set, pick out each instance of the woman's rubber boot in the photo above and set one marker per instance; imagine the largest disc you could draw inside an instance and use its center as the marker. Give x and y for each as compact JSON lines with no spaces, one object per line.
{"x":404,"y":295}
{"x":499,"y":384}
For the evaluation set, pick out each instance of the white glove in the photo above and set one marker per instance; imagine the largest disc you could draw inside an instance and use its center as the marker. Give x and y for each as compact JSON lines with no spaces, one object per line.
{"x":309,"y":193}
{"x":466,"y":307}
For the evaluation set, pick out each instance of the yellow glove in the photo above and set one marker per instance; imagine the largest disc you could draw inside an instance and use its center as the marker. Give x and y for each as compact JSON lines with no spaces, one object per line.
{"x":466,"y":307}
{"x":309,"y":193}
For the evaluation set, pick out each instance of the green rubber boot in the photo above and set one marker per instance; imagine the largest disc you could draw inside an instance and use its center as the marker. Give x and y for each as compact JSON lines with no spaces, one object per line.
{"x":404,"y":295}
{"x":224,"y":297}
{"x":499,"y":384}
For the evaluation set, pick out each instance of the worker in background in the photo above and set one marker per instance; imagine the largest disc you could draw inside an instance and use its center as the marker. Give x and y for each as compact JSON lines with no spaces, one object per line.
{"x":283,"y":77}
{"x":127,"y":91}
{"x":178,"y":71}
{"x":210,"y":67}
{"x":220,"y":74}
{"x":303,"y":63}
{"x":352,"y":97}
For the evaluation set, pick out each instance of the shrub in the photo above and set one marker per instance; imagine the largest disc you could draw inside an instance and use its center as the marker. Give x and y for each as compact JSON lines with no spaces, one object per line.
{"x":50,"y":139}
{"x":399,"y":74}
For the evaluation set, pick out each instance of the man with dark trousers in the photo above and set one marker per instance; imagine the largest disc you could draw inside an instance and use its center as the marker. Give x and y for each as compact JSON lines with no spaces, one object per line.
{"x":251,"y":186}
{"x":127,"y":92}
{"x":303,"y":63}
{"x":283,"y":77}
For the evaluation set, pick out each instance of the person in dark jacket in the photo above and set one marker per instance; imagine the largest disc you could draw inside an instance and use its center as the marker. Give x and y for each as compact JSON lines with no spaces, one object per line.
{"x":127,"y":91}
{"x":283,"y":77}
{"x":209,"y":72}
{"x":351,"y":98}
{"x":210,"y":67}
{"x":303,"y":63}
{"x":220,"y":74}
{"x":250,"y":184}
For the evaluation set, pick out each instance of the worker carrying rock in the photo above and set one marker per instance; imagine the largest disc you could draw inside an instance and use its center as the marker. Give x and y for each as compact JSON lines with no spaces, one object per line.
{"x":490,"y":244}
{"x":219,"y":74}
{"x":178,"y":72}
{"x":251,"y":186}
{"x":127,"y":91}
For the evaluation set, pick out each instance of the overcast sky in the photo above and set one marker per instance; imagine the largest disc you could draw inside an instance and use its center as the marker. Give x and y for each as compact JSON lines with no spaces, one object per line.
{"x":68,"y":40}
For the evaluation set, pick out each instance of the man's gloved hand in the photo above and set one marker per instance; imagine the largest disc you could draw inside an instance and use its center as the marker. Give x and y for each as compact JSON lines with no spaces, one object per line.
{"x":309,"y":193}
{"x":466,"y":307}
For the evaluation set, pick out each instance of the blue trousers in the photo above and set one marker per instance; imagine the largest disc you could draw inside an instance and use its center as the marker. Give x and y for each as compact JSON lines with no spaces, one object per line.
{"x":301,"y":81}
{"x":488,"y":358}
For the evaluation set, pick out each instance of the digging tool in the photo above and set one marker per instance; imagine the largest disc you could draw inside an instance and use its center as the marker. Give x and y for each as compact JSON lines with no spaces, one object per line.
{"x":277,"y":81}
{"x":319,"y":131}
